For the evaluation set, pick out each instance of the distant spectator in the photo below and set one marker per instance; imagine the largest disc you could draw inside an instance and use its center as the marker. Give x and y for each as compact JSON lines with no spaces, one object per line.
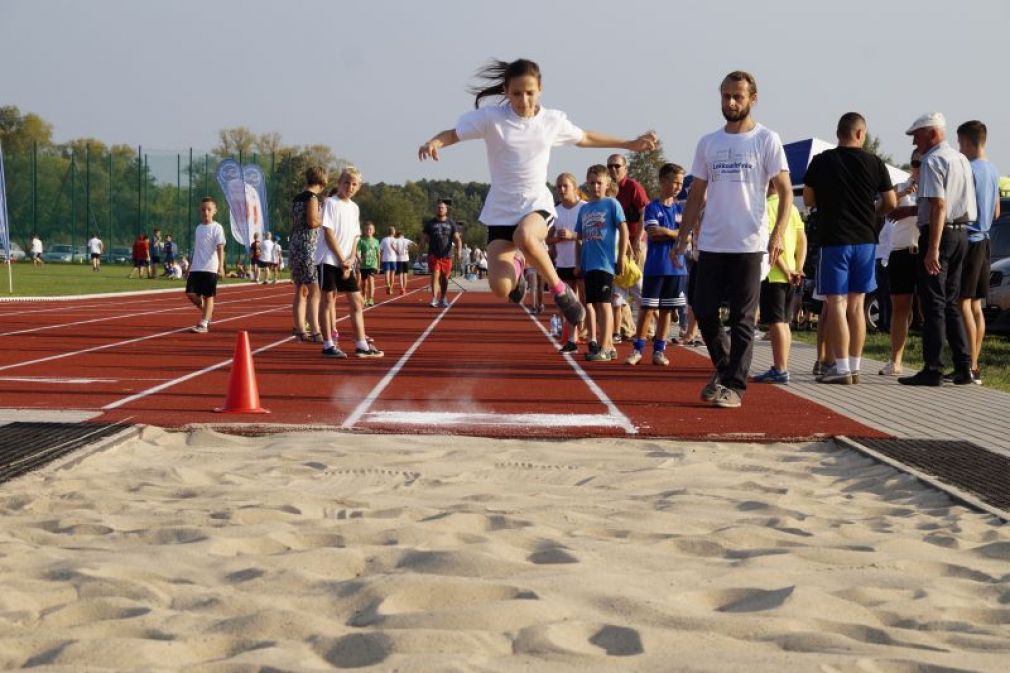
{"x":157,"y":251}
{"x":171,"y":251}
{"x":35,"y":250}
{"x":96,"y":248}
{"x":141,"y":257}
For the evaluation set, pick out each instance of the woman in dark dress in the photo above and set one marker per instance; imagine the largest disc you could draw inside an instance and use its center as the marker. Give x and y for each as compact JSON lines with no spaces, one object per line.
{"x":306,"y":217}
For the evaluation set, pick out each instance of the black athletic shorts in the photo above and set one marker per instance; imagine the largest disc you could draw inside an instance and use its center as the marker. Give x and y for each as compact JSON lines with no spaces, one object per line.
{"x":599,"y":287}
{"x":331,"y":278}
{"x":263,"y":265}
{"x":566,"y":273}
{"x":975,"y":274}
{"x":402,"y":267}
{"x":507,"y":231}
{"x":96,"y":255}
{"x":202,"y":283}
{"x":155,"y":260}
{"x":776,"y":300}
{"x":367,"y":273}
{"x":901,"y":271}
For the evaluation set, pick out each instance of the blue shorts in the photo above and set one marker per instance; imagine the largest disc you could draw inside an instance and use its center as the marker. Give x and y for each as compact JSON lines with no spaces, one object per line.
{"x":664,"y":291}
{"x":845,"y":269}
{"x":388,"y":266}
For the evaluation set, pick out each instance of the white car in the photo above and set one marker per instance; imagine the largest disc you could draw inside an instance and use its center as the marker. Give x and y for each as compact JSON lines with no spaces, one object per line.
{"x":17,"y":254}
{"x":999,"y":285}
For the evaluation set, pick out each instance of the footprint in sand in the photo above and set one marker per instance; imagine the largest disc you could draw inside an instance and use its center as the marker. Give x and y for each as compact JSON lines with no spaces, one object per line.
{"x":356,"y":650}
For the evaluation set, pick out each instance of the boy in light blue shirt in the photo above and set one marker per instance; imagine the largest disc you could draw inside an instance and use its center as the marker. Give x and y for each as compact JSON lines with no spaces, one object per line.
{"x":600,"y":248}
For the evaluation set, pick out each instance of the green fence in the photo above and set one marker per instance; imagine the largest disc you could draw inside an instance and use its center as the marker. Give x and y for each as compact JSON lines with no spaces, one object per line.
{"x":66,"y":195}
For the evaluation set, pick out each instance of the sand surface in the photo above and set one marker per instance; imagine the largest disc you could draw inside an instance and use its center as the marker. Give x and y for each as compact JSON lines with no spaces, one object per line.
{"x":326,"y":551}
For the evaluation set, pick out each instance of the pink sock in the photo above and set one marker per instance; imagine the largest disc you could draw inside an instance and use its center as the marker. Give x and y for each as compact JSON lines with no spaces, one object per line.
{"x":518,"y":263}
{"x":560,"y":288}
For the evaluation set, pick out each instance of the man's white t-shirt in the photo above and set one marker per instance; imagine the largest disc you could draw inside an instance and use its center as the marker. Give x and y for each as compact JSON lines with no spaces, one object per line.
{"x":342,"y":218}
{"x":95,"y":246}
{"x":905,"y":232}
{"x":565,"y":250}
{"x":737,"y":168}
{"x":267,"y":251}
{"x":401,"y":246}
{"x":518,"y":152}
{"x":386,"y":249}
{"x":36,"y":248}
{"x":206,"y":238}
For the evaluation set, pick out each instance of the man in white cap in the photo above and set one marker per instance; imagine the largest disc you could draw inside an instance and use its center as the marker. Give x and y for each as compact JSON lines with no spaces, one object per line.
{"x":946,"y":205}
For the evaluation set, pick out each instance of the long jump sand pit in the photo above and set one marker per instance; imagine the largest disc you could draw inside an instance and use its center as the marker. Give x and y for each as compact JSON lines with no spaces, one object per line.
{"x":326,"y":551}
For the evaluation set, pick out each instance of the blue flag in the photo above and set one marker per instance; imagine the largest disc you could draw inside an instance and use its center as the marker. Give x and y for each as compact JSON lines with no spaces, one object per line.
{"x":5,"y":232}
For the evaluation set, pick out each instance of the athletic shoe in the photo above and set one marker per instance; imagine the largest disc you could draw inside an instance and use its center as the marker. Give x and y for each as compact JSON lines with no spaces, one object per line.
{"x":727,"y":398}
{"x":832,"y":375}
{"x":403,"y":290}
{"x":696,"y":342}
{"x":659,"y":358}
{"x":855,"y":376}
{"x":334,"y":352}
{"x":711,"y":389}
{"x":370,"y":352}
{"x":923,"y":377}
{"x":519,"y":291}
{"x":433,"y":303}
{"x":594,"y":347}
{"x":600,"y":356}
{"x":570,"y":307}
{"x":976,"y":376}
{"x":962,"y":377}
{"x":773,"y":375}
{"x":819,"y":368}
{"x":617,"y":338}
{"x":634,"y":358}
{"x":613,"y":353}
{"x":569,"y":347}
{"x":891,"y":369}
{"x":200,"y":328}
{"x":444,"y":303}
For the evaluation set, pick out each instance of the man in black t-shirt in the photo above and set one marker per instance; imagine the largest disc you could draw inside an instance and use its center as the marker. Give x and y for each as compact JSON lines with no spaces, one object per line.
{"x":440,"y":235}
{"x":843,"y":184}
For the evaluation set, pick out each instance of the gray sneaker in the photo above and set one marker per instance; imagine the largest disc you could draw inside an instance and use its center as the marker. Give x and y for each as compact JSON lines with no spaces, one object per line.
{"x":573,"y":311}
{"x":831,"y":375}
{"x":711,"y":389}
{"x":727,"y":398}
{"x":334,"y":352}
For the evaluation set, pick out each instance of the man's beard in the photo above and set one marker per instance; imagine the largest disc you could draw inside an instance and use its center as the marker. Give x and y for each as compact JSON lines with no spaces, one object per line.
{"x":736,"y":115}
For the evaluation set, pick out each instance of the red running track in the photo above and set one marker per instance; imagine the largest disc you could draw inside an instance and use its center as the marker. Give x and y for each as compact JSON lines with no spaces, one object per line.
{"x":480,"y":367}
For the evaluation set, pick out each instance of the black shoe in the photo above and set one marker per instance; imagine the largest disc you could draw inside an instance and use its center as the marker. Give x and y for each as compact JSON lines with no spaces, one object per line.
{"x":923,"y":377}
{"x":594,"y":347}
{"x":962,"y":377}
{"x":519,"y":291}
{"x":569,"y":347}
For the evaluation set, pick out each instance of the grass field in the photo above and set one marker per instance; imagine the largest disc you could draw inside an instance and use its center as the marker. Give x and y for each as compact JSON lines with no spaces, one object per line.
{"x":994,"y":360}
{"x":54,"y":279}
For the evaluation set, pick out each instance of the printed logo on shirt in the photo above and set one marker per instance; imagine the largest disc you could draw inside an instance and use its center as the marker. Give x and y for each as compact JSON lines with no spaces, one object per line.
{"x":593,"y":224}
{"x":731,"y":166}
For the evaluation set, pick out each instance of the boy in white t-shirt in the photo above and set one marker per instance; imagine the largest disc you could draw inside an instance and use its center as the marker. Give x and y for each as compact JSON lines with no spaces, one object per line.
{"x":95,"y":248}
{"x":207,"y":265}
{"x":335,"y":256}
{"x":266,"y":262}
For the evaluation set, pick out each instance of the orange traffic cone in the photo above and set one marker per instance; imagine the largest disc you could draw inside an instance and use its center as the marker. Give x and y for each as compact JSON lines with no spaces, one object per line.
{"x":243,"y":393}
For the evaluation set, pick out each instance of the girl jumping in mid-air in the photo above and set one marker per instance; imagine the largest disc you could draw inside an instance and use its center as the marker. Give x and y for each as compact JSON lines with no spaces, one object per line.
{"x":519,"y":135}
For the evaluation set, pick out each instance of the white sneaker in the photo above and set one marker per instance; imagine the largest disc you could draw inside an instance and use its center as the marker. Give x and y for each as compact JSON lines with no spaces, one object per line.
{"x":891,"y":369}
{"x":200,"y":328}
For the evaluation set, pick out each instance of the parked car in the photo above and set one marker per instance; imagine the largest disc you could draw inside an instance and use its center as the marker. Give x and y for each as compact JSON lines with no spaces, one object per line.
{"x":60,"y":252}
{"x":999,"y":234}
{"x":421,"y":267}
{"x":17,"y":253}
{"x":119,"y":256}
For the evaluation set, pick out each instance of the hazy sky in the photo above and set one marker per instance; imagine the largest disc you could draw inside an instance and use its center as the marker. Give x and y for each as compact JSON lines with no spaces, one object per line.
{"x":375,"y":79}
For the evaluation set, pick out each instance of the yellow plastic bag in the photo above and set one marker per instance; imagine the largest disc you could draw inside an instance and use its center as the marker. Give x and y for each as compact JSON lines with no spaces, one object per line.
{"x":630,"y":274}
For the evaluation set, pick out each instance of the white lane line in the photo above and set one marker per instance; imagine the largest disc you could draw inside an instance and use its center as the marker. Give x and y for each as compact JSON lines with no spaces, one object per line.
{"x":66,"y":380}
{"x":364,"y":405}
{"x":182,"y":379}
{"x":44,"y":328}
{"x":623,"y":421}
{"x":438,"y":419}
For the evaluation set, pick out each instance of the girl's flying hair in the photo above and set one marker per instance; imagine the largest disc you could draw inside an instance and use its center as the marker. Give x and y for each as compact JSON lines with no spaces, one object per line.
{"x":496,"y":75}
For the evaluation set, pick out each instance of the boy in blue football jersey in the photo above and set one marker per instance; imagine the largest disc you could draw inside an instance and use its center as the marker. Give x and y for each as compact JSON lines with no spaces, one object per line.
{"x":664,"y":282}
{"x":600,"y":248}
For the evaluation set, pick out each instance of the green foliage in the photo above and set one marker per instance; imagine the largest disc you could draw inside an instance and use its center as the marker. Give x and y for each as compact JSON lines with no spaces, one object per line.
{"x":644,"y":167}
{"x":873,"y":147}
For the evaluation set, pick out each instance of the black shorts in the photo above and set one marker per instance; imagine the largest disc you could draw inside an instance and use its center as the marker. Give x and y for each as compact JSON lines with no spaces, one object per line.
{"x":901,"y":268}
{"x":975,"y":273}
{"x":331,"y":278}
{"x":137,"y":263}
{"x":155,"y":259}
{"x":96,"y":255}
{"x":776,"y":301}
{"x":367,"y":273}
{"x":263,"y":265}
{"x":599,"y":287}
{"x":507,"y":231}
{"x":692,"y":276}
{"x":203,"y":283}
{"x":402,"y":267}
{"x":566,"y":273}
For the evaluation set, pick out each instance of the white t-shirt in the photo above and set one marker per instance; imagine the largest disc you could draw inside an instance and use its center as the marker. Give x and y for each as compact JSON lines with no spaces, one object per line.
{"x":567,"y":218}
{"x":401,"y":246}
{"x":518,"y":151}
{"x":737,"y":168}
{"x":342,"y":218}
{"x":386,"y":249}
{"x":206,"y":238}
{"x":95,"y":246}
{"x":905,"y":232}
{"x":36,"y":247}
{"x":267,"y":251}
